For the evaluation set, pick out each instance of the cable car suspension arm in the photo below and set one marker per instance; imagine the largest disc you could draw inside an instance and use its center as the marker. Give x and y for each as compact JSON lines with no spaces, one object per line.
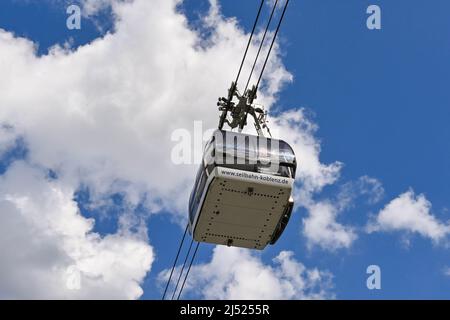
{"x":240,"y":110}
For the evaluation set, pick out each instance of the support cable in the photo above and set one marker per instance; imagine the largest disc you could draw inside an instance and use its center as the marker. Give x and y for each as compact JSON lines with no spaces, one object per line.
{"x":189,"y":269}
{"x":261,"y":44}
{"x":175,"y":262}
{"x":234,"y":84}
{"x":249,"y":41}
{"x":182,"y":268}
{"x":271,"y":45}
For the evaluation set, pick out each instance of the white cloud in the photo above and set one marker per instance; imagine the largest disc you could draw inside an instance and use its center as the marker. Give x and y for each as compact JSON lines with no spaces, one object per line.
{"x":236,"y":273}
{"x":321,"y":228}
{"x":103,"y":115}
{"x":366,"y":186}
{"x":299,"y":131}
{"x":49,"y":250}
{"x":412,"y":214}
{"x":91,"y":7}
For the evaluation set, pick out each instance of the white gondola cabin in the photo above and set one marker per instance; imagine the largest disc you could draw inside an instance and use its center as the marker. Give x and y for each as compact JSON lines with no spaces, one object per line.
{"x":242,"y":193}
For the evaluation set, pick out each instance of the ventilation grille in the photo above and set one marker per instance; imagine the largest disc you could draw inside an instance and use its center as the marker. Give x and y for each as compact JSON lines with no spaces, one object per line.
{"x":253,"y":194}
{"x":229,"y":237}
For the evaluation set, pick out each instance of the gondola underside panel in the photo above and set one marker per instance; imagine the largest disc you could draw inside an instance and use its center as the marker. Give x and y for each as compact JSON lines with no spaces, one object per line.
{"x":241,"y":213}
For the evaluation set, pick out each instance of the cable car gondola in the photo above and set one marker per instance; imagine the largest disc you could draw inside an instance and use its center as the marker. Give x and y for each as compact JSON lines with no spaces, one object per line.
{"x":242,"y":192}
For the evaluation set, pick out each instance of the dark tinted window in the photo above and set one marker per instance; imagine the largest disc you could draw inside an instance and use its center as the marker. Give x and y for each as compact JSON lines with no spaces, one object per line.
{"x":197,"y":192}
{"x":253,"y":153}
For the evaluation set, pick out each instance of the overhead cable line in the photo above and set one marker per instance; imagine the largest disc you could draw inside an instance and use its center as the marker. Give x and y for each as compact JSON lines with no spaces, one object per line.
{"x":175,"y":262}
{"x":189,"y":269}
{"x":227,"y":105}
{"x":261,"y":44}
{"x":251,"y":95}
{"x":234,"y":84}
{"x":271,"y":45}
{"x":182,"y":268}
{"x":249,"y":41}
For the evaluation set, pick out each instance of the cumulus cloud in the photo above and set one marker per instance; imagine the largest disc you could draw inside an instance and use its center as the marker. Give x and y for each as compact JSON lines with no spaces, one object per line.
{"x":102,"y":116}
{"x":321,"y":228}
{"x":116,"y":101}
{"x":299,"y":130}
{"x":368,"y":187}
{"x":236,"y":273}
{"x":50,"y":251}
{"x":412,"y":214}
{"x":91,"y":7}
{"x":105,"y":113}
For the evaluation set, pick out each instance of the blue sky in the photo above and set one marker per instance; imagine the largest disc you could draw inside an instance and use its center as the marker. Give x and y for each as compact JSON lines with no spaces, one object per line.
{"x":381,"y":101}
